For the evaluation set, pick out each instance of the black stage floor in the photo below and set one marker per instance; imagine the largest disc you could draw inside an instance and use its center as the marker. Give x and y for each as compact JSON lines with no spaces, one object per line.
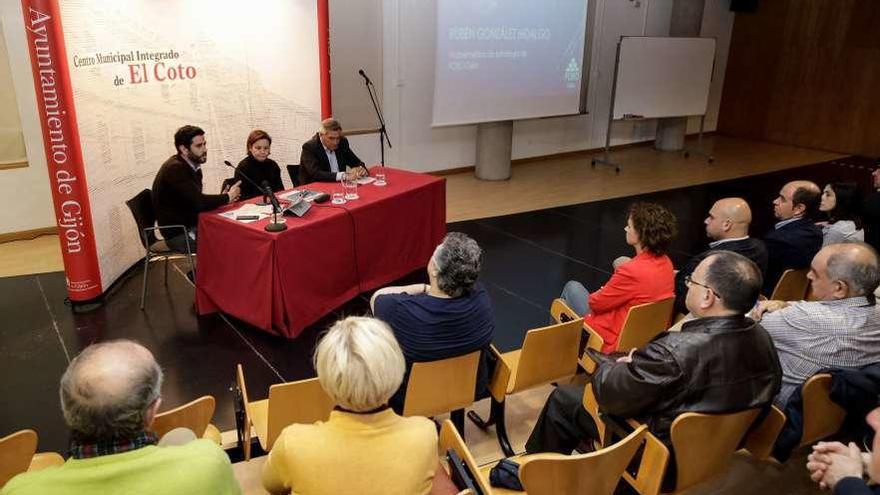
{"x":528,"y":257}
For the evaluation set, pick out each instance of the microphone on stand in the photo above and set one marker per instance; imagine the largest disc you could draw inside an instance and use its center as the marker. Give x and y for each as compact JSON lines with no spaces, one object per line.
{"x":269,"y":194}
{"x":273,"y":226}
{"x":383,"y":133}
{"x":364,"y":75}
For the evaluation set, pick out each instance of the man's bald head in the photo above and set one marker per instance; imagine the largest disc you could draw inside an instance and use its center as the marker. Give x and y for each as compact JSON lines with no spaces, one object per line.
{"x":109,"y":389}
{"x":846,"y":269}
{"x":729,"y":218}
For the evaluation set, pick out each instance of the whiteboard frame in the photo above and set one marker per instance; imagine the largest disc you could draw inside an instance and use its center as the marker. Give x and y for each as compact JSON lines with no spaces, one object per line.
{"x":665,"y":38}
{"x":606,"y":158}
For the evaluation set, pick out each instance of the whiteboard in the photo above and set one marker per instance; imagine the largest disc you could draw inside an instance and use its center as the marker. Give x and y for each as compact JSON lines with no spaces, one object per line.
{"x":663,"y":77}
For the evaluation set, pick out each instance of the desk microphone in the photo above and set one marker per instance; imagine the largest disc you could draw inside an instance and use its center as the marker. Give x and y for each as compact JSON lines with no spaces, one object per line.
{"x":246,"y":178}
{"x":273,"y":226}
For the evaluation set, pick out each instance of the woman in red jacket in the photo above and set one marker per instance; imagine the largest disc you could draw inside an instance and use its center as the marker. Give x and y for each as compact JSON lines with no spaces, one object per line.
{"x":647,"y":277}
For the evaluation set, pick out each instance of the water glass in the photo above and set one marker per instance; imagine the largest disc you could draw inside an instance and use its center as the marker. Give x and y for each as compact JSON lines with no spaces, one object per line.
{"x":350,"y":186}
{"x":338,"y":198}
{"x":380,"y":179}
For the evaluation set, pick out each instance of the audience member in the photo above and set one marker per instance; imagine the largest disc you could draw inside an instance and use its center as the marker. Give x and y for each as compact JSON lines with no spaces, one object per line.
{"x":177,"y":190}
{"x":448,"y":317}
{"x":258,"y":167}
{"x":728,"y":227}
{"x":795,"y":239}
{"x":326,"y":156}
{"x":841,"y":329}
{"x":872,"y":212}
{"x":110,"y":394}
{"x":647,"y":277}
{"x":842,"y":203}
{"x":364,"y":447}
{"x":842,"y":468}
{"x":721,"y":361}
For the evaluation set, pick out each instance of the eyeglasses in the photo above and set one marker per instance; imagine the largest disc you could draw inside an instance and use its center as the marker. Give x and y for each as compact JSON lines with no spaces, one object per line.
{"x":688,"y":280}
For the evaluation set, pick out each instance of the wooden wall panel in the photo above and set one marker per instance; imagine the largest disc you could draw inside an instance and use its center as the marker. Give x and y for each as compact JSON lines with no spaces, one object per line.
{"x":807,"y":73}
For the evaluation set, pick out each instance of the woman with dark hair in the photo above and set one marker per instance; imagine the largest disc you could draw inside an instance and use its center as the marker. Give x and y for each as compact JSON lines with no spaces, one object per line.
{"x":258,"y":166}
{"x":647,"y":277}
{"x":842,"y":202}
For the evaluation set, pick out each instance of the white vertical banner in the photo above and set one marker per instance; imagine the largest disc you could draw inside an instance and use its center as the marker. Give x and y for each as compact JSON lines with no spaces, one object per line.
{"x":140,"y":69}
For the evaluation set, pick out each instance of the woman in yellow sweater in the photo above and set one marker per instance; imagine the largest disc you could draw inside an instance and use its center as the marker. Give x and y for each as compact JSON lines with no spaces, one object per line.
{"x":364,"y":447}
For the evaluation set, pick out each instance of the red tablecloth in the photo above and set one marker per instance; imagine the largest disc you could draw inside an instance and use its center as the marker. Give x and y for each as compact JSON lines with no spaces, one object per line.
{"x":282,"y":282}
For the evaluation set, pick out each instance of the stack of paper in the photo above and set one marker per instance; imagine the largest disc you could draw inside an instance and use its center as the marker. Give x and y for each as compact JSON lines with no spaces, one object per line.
{"x":249,"y":210}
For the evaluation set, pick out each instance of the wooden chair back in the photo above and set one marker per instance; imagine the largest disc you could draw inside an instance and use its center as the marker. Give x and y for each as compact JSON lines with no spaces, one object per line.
{"x":822,"y":417}
{"x":195,"y":416}
{"x":246,"y":420}
{"x":704,"y":443}
{"x":548,"y":354}
{"x":644,"y":322}
{"x":450,"y":439}
{"x":592,"y":406}
{"x":301,"y":402}
{"x":596,"y":473}
{"x":16,"y":452}
{"x":501,"y":375}
{"x":43,"y":460}
{"x":558,"y":309}
{"x":792,"y":286}
{"x":761,"y":440}
{"x":438,"y":387}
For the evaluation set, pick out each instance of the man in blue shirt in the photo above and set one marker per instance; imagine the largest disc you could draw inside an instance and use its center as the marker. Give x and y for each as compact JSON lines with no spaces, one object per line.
{"x":448,"y":317}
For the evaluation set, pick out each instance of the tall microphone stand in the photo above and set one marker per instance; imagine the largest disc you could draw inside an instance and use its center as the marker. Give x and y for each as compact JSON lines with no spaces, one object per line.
{"x":383,"y":133}
{"x":273,"y":226}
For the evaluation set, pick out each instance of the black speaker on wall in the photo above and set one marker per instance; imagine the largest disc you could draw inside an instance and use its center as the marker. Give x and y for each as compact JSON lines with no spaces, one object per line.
{"x":744,"y":5}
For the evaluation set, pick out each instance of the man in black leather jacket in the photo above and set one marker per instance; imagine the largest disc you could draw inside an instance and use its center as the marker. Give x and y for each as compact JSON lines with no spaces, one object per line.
{"x":719,"y":362}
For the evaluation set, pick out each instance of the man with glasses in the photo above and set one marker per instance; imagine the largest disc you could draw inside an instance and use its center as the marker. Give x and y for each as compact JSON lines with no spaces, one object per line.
{"x":721,"y":361}
{"x":840,"y":329}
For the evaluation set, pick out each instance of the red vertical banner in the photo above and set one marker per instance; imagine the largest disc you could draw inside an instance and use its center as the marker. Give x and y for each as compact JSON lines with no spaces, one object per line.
{"x":324,"y":56}
{"x":67,"y":179}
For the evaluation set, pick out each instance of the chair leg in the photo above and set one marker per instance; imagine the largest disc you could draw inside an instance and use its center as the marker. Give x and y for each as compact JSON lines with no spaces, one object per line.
{"x":144,"y":289}
{"x":166,"y":271}
{"x":457,"y":417}
{"x":496,"y":417}
{"x":484,"y":423}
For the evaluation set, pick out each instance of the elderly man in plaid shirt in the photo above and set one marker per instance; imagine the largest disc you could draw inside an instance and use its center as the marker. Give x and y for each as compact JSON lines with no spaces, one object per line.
{"x":841,"y":329}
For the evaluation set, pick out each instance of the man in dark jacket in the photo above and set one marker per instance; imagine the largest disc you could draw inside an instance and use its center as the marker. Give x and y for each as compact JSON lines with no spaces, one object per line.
{"x":177,"y":190}
{"x":327,"y":155}
{"x":720,"y":362}
{"x":796,"y":238}
{"x":872,"y":213}
{"x":728,"y":227}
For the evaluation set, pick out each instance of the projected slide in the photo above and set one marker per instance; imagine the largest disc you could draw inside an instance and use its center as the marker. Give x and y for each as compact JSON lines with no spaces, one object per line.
{"x":506,"y":60}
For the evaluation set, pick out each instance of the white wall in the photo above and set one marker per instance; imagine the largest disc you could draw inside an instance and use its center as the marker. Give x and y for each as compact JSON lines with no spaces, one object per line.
{"x":408,"y":86}
{"x":25,"y":200}
{"x":408,"y":53}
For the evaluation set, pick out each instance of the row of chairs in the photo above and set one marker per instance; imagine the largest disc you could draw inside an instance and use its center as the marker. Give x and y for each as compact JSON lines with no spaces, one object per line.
{"x":548,"y":354}
{"x":434,"y":388}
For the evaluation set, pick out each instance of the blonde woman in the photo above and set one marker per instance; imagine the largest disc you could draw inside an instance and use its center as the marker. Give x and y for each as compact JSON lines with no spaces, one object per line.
{"x":364,"y":447}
